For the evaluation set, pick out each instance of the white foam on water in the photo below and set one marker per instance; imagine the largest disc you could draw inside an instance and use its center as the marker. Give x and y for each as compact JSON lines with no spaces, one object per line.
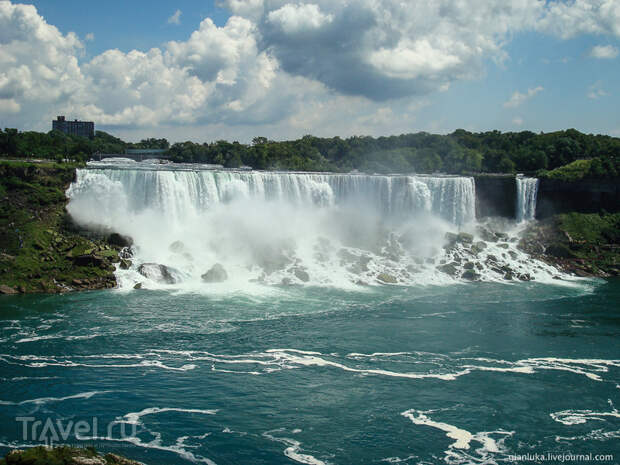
{"x":45,"y":400}
{"x":490,"y":449}
{"x":133,"y":418}
{"x":293,"y":451}
{"x":576,"y":417}
{"x":179,"y":448}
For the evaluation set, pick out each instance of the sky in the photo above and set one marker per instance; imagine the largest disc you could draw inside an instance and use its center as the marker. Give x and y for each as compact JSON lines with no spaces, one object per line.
{"x":236,"y":69}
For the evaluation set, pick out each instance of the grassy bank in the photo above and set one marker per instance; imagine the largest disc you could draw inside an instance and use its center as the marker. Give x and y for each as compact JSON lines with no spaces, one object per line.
{"x":63,"y":455}
{"x":587,"y":244}
{"x":40,"y":250}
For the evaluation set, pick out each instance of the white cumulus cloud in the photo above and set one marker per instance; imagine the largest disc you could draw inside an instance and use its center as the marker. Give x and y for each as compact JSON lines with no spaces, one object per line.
{"x":604,"y":52}
{"x":518,"y":98}
{"x":175,"y":18}
{"x":360,"y":66}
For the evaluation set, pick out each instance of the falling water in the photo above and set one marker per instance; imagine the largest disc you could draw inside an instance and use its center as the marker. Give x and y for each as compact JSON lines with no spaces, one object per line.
{"x":287,"y":228}
{"x":527,"y":191}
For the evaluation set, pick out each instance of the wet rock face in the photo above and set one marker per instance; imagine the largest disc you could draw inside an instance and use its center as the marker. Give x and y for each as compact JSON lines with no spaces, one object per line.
{"x":301,"y":274}
{"x":449,"y":268}
{"x":464,"y":238}
{"x":176,"y":247}
{"x":470,"y":275}
{"x":216,"y":274}
{"x":157,"y":272}
{"x":119,"y":240}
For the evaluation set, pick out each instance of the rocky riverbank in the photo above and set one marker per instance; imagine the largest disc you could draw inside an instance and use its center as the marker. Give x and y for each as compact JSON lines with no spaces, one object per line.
{"x":583,"y":244}
{"x":41,"y":250}
{"x":63,"y":455}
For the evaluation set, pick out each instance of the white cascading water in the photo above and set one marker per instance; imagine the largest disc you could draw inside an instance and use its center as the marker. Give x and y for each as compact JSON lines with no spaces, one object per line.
{"x":527,"y":193}
{"x":340,"y":230}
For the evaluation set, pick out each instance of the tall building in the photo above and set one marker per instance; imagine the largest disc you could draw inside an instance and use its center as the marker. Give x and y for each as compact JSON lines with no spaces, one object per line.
{"x":74,"y":128}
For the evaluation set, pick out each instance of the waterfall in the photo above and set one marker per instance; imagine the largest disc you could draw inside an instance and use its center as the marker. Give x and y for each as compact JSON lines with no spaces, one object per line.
{"x":178,"y":193}
{"x":527,"y":192}
{"x":281,"y":228}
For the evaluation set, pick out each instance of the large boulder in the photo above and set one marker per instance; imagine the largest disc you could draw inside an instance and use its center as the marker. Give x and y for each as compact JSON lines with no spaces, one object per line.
{"x":449,"y":268}
{"x":470,"y":275}
{"x":119,"y":240}
{"x":158,"y":273}
{"x":386,"y":278}
{"x":4,"y":289}
{"x":216,"y":274}
{"x":176,"y":247}
{"x":301,"y":274}
{"x":464,"y":238}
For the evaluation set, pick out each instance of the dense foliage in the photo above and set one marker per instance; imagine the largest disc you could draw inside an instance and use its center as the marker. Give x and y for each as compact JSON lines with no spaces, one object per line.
{"x":459,"y":152}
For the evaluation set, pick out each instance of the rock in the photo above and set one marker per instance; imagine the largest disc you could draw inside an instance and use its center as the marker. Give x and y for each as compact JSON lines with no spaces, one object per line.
{"x":478,"y":247}
{"x":503,"y":245}
{"x":346,"y":257}
{"x":386,"y":278}
{"x":88,"y":461}
{"x":137,"y":286}
{"x":157,"y":272}
{"x":525,"y":277}
{"x":582,"y":273}
{"x":512,"y":254}
{"x":216,"y":274}
{"x":113,"y":459}
{"x":301,"y":275}
{"x":449,"y":268}
{"x":559,"y":250}
{"x":126,"y":252}
{"x":491,"y":258}
{"x":89,"y":260}
{"x":508,"y":275}
{"x":469,"y":266}
{"x":450,"y":240}
{"x":4,"y":289}
{"x":465,"y":238}
{"x":486,"y":234}
{"x":501,"y":235}
{"x":286,"y":281}
{"x":125,"y":264}
{"x":470,"y":275}
{"x":119,"y":240}
{"x":176,"y":247}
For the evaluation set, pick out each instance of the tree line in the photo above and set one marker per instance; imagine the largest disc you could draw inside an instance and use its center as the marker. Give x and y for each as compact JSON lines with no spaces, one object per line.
{"x":461,"y":152}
